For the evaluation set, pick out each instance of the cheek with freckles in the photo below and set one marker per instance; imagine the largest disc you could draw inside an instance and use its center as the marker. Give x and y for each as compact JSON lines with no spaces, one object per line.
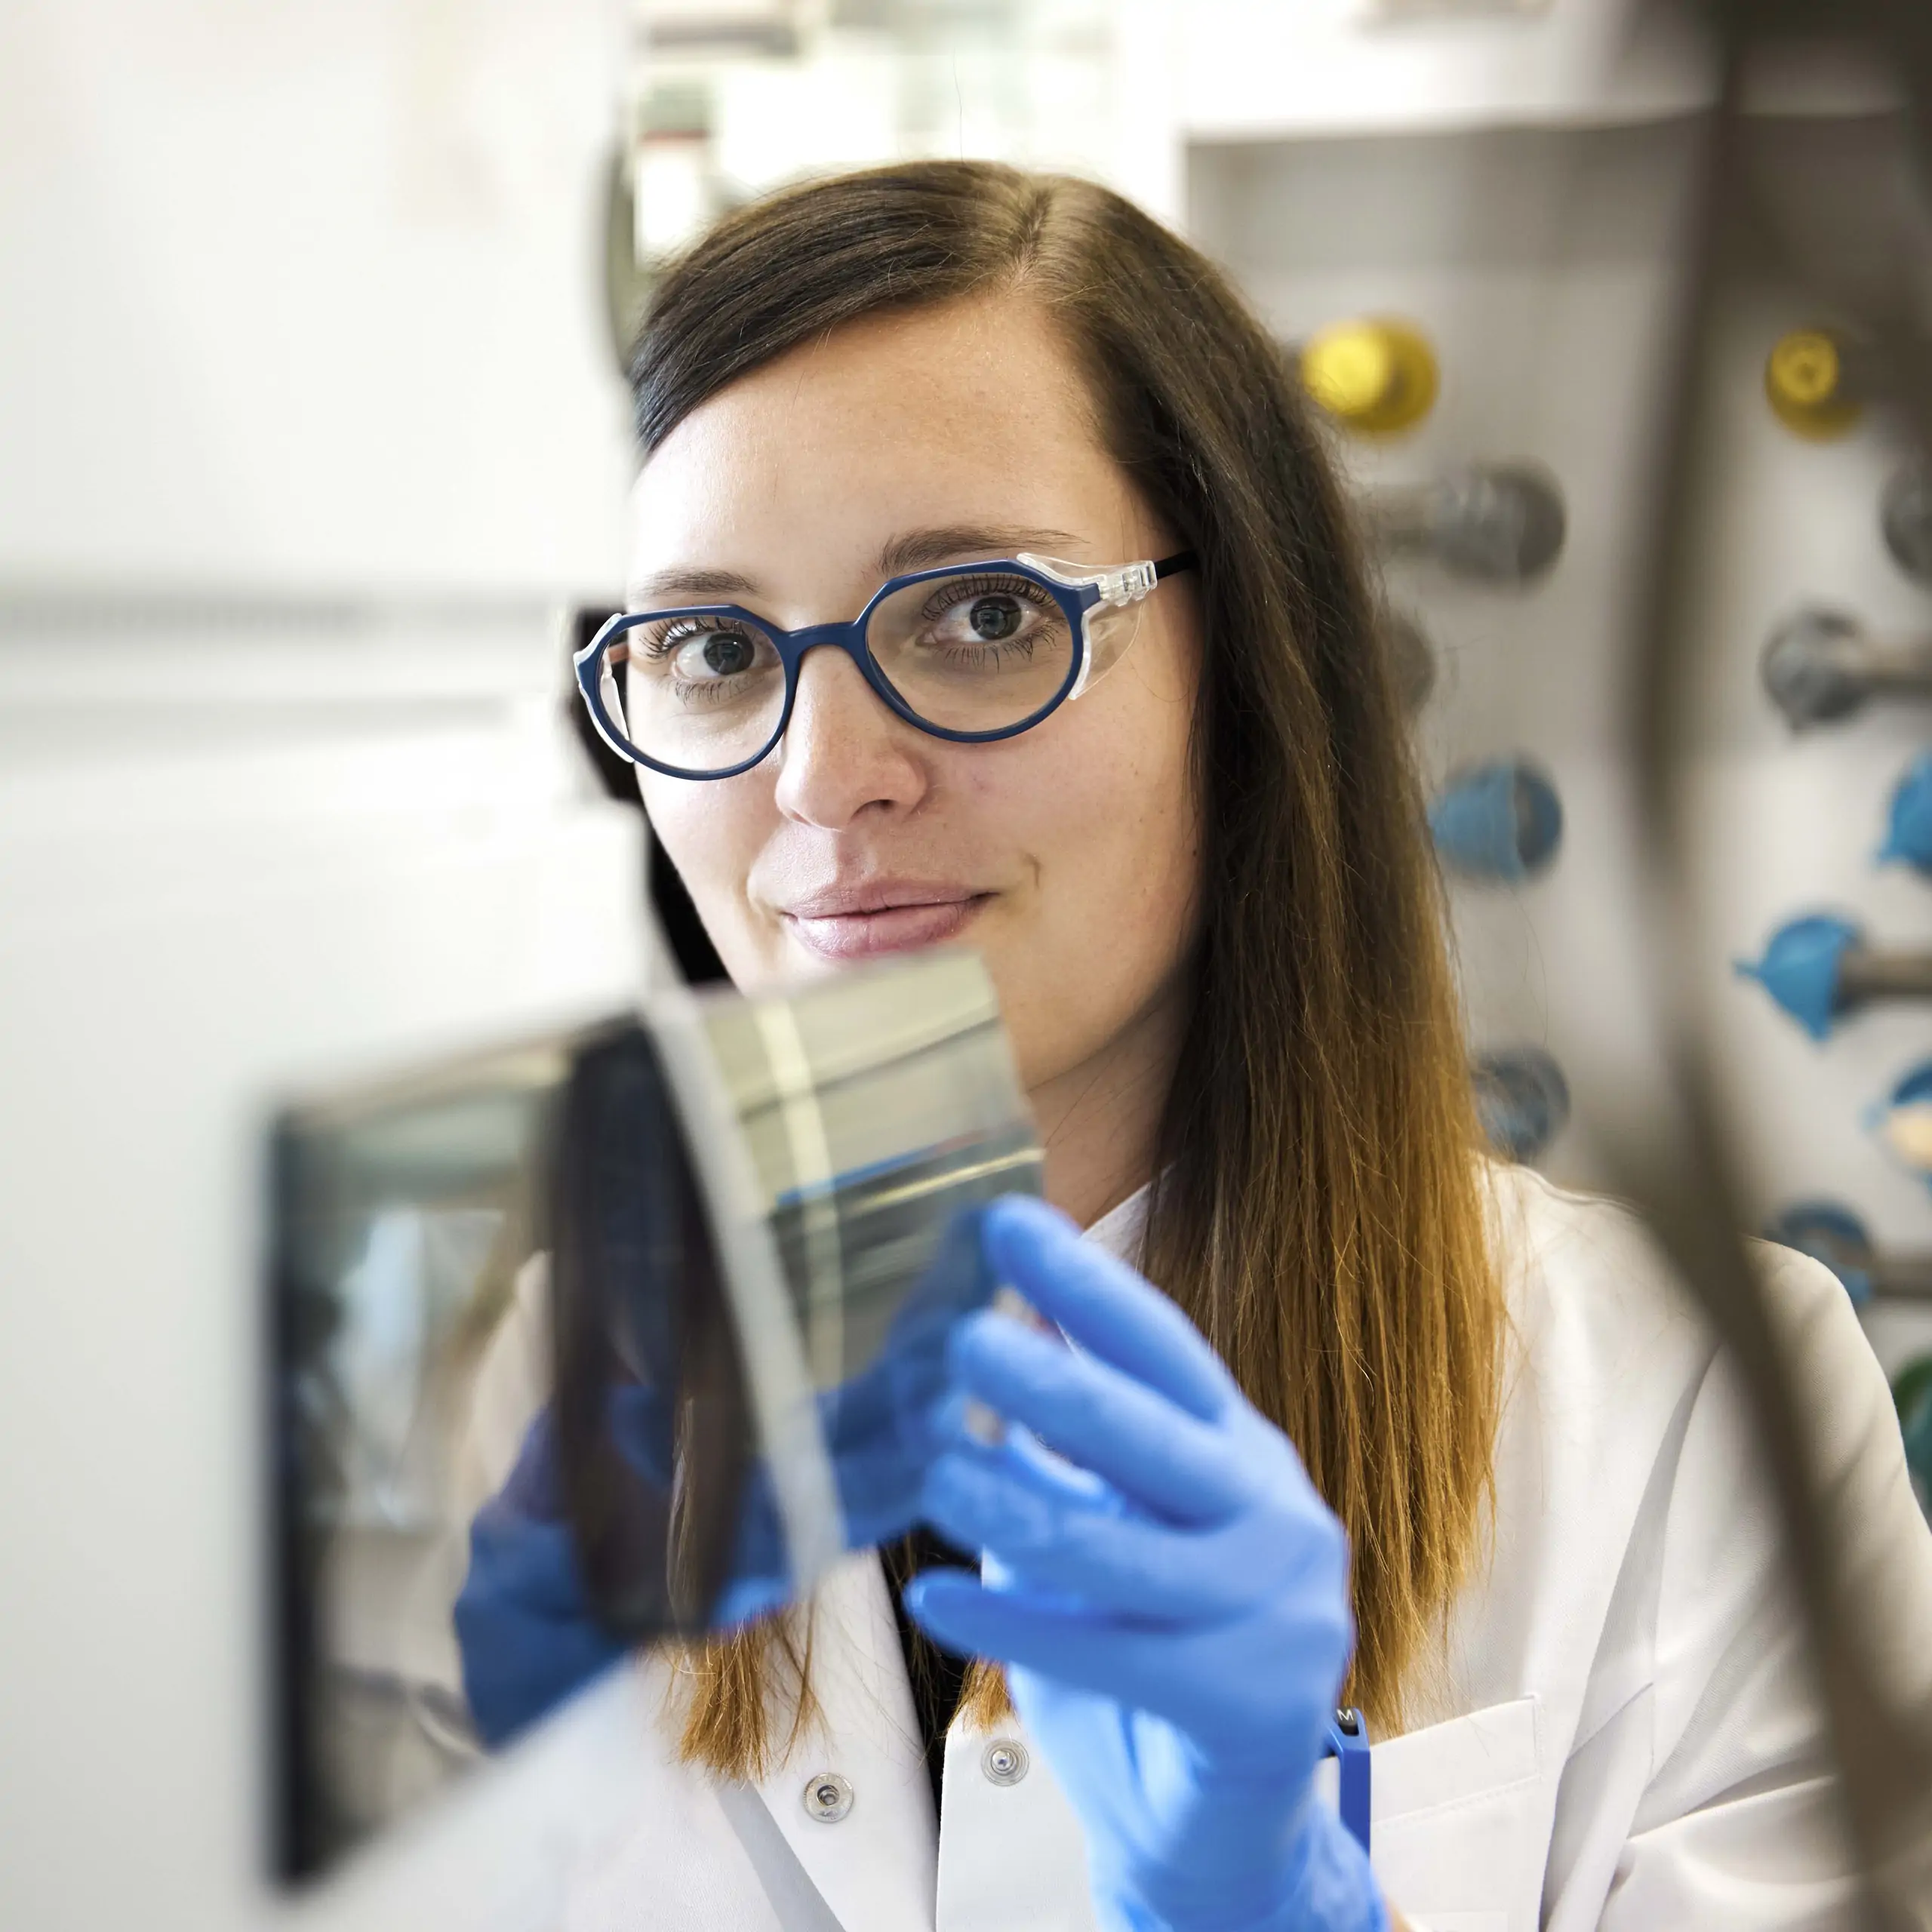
{"x":1103,"y":817}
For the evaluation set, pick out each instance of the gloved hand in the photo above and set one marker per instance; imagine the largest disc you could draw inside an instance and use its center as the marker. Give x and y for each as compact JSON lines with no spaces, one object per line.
{"x":523,"y":1625}
{"x":1167,"y":1588}
{"x":526,"y":1627}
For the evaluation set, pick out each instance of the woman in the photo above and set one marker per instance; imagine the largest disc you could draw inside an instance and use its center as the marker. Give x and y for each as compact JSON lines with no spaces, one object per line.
{"x":1190,"y":847}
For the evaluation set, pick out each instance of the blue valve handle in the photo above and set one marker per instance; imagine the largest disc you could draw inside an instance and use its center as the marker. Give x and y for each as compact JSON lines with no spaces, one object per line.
{"x":1801,"y":967}
{"x":1909,"y":823}
{"x":1502,"y":820}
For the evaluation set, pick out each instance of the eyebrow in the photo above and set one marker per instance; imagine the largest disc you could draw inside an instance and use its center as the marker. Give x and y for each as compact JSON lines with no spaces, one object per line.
{"x":912,"y":550}
{"x":955,"y":542}
{"x":682,"y":581}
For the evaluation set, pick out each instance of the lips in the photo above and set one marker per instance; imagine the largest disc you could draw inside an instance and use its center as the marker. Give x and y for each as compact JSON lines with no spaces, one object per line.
{"x":855,"y":922}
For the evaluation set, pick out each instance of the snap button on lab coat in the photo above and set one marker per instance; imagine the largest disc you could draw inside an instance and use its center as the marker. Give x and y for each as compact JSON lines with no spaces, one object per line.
{"x":1004,"y":1761}
{"x":828,"y":1797}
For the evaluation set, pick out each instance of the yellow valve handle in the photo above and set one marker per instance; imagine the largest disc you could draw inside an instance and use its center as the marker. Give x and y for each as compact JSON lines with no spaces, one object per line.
{"x":1376,"y":375}
{"x":1804,"y":382}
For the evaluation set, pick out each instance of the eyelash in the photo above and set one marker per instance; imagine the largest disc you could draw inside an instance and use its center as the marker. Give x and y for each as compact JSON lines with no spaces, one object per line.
{"x":656,"y":647}
{"x":962,"y":589}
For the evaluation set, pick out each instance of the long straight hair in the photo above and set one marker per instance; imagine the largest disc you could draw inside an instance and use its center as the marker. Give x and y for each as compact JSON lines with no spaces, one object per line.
{"x":1316,"y":1206}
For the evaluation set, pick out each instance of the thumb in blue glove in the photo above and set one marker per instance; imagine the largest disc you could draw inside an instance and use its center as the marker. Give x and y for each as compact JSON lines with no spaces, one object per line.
{"x":1167,"y":1590}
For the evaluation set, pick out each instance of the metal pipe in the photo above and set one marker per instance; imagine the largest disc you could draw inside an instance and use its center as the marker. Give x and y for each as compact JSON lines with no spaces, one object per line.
{"x":1818,"y":969}
{"x":1864,"y":977}
{"x":1821,"y":665}
{"x":1902,"y":1277}
{"x":1497,"y":523}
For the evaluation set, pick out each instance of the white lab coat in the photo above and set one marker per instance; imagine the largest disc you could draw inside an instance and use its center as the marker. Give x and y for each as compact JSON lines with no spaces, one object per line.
{"x":1622,"y":1732}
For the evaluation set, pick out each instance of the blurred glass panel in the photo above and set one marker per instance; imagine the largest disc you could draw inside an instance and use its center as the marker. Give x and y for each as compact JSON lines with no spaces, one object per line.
{"x":400,"y":1216}
{"x":875,"y":1106}
{"x":749,"y":1213}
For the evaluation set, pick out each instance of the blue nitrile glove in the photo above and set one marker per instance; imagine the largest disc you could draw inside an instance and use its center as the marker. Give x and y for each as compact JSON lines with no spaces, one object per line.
{"x":1174,"y":1607}
{"x":523,"y":1622}
{"x":524,"y":1626}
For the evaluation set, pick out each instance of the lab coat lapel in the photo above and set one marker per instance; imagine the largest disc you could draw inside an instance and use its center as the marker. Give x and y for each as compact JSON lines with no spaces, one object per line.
{"x":1011,"y":1857}
{"x":852,"y":1797}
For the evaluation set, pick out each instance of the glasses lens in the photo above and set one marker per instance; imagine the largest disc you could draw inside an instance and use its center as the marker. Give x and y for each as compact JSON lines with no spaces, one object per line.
{"x":974,"y":651}
{"x":700,"y":691}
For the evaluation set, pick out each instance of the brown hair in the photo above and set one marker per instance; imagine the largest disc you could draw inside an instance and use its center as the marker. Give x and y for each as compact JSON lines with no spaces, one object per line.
{"x":1319,"y":1210}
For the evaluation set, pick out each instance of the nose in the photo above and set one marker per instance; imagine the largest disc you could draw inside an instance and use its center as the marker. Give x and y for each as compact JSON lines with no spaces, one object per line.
{"x":844,"y":753}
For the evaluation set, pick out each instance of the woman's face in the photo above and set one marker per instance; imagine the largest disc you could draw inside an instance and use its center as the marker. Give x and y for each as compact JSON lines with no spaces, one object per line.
{"x":1069,"y":855}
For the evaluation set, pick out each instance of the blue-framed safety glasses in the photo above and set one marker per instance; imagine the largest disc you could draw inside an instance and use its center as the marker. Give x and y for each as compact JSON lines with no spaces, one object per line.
{"x":968,"y":652}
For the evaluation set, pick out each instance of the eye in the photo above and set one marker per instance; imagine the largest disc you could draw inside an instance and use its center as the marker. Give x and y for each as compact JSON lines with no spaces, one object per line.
{"x":975,"y":612}
{"x":993,"y":617}
{"x":722,"y":653}
{"x":700,"y":650}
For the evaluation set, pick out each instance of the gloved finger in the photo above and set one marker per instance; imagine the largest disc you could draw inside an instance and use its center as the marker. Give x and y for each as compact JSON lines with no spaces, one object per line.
{"x":1021,"y":1460}
{"x":1104,"y":1306}
{"x":1112,"y":1560}
{"x":1188,"y":1677}
{"x":1145,"y":1445}
{"x":1081,"y":1648}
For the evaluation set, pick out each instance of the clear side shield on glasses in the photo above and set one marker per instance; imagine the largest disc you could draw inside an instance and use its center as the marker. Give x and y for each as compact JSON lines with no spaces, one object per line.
{"x":988,"y":648}
{"x":1112,"y":623}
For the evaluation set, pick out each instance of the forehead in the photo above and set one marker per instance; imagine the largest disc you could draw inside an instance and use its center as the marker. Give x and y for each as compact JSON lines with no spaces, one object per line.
{"x":974,"y":410}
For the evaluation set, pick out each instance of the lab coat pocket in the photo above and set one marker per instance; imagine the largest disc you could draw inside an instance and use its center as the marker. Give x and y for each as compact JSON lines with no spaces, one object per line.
{"x":1460,"y":1832}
